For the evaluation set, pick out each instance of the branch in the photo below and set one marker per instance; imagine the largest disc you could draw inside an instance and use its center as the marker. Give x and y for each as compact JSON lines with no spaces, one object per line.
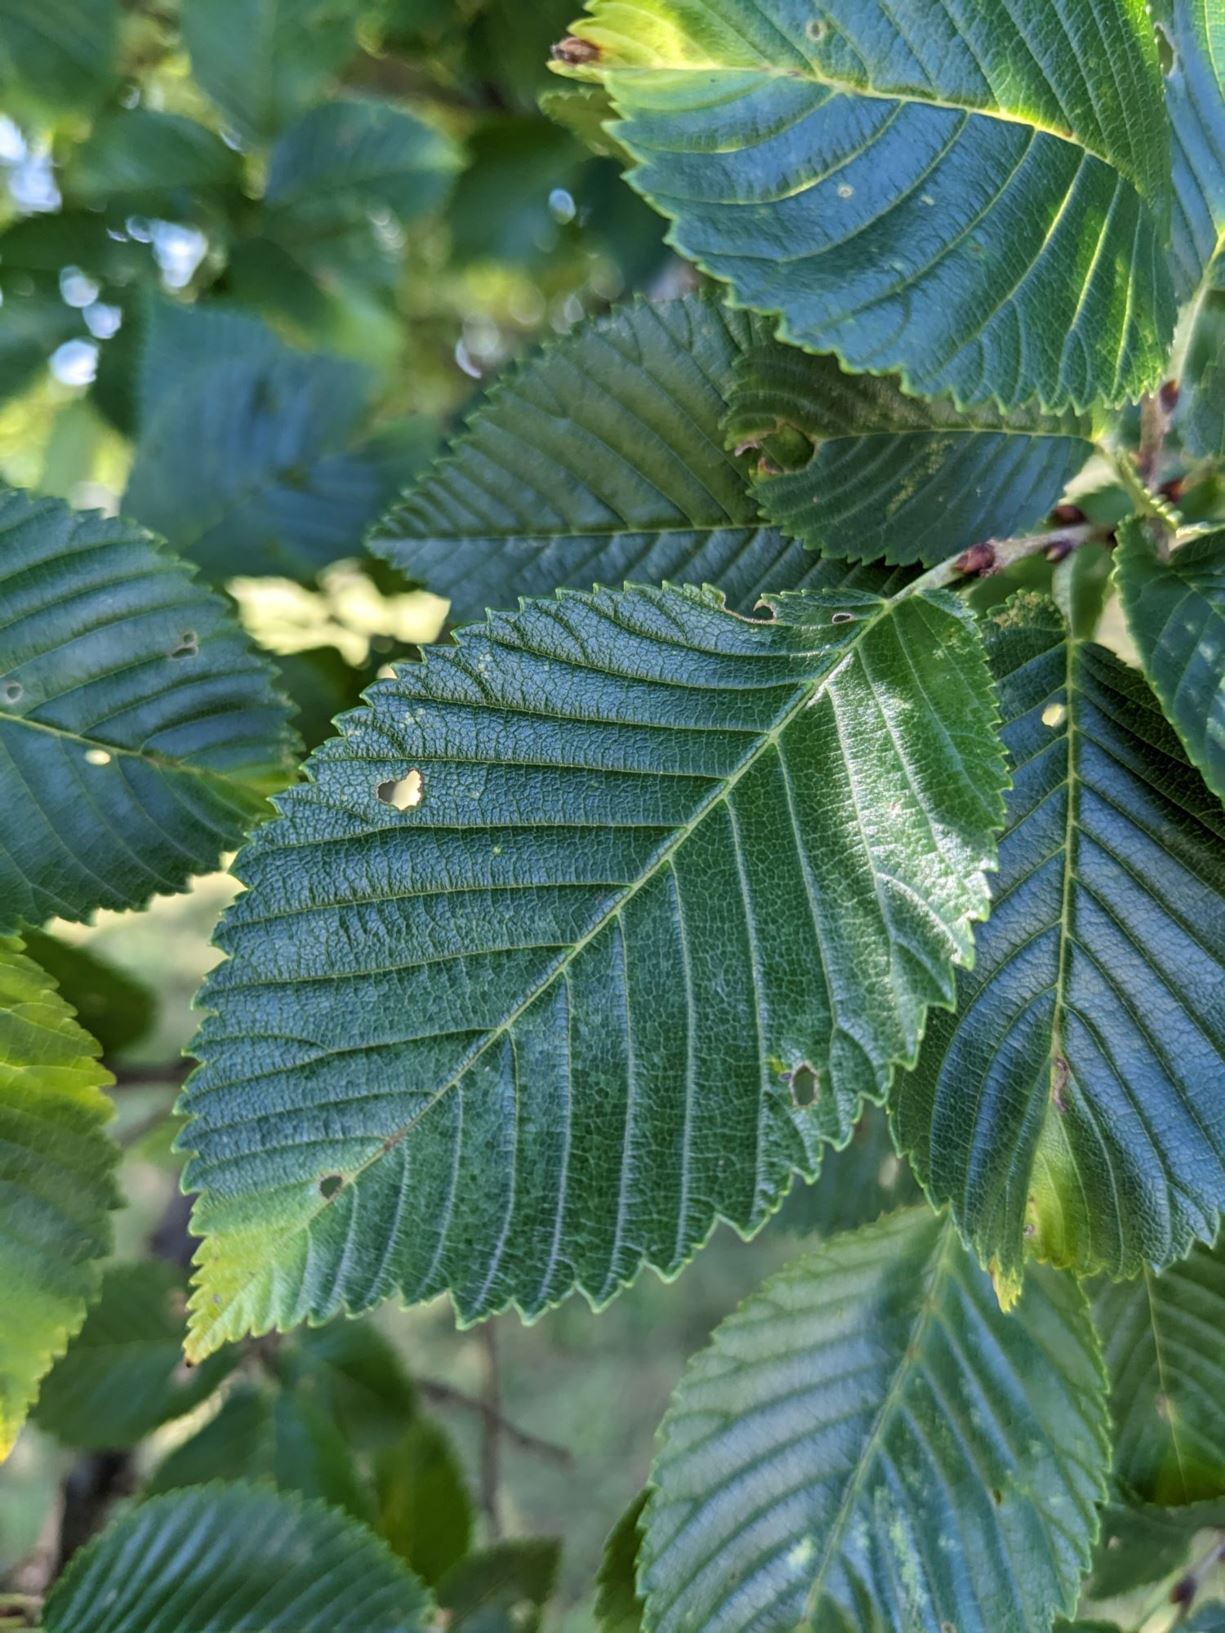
{"x":446,"y":1395}
{"x":995,"y":555}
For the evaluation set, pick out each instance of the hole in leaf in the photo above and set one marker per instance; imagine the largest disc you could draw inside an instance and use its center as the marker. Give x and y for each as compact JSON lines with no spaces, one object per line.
{"x":997,"y":1496}
{"x":14,"y":691}
{"x":846,"y":190}
{"x":843,"y":618}
{"x":1054,"y":715}
{"x":189,"y":645}
{"x":805,"y":1087}
{"x":815,"y":29}
{"x":97,"y":756}
{"x":329,"y":1185}
{"x":403,"y":793}
{"x":1166,"y":53}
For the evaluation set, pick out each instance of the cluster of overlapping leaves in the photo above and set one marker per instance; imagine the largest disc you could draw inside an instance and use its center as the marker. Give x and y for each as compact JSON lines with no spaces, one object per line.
{"x":616,"y":914}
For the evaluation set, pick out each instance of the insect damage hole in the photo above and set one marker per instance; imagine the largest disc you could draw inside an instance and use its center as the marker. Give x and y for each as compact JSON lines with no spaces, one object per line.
{"x":805,"y":1087}
{"x":403,"y":793}
{"x":14,"y":691}
{"x":188,"y":647}
{"x":329,"y":1185}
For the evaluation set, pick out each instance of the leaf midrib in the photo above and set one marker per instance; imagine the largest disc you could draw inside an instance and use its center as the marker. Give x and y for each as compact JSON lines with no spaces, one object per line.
{"x":808,"y":692}
{"x":149,"y":757}
{"x":849,"y":88}
{"x":909,"y":1360}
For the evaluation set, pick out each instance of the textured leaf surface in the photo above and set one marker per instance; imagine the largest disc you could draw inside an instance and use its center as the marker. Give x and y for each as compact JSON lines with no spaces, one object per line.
{"x":518,"y":987}
{"x":1195,"y":96}
{"x":235,"y":1559}
{"x":263,"y":61}
{"x":56,"y":1179}
{"x":1072,"y":1108}
{"x":600,"y":460}
{"x":972,"y":195}
{"x":251,"y":457}
{"x":1162,"y":1340}
{"x":1176,"y":613}
{"x":870,"y":1444}
{"x":139,"y":734}
{"x":854,"y":469}
{"x":123,"y":1374}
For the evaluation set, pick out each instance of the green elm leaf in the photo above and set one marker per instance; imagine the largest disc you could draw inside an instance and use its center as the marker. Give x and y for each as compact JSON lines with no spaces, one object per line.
{"x":123,"y":1373}
{"x":1200,"y":416}
{"x":618,"y":1605}
{"x":229,"y":1556}
{"x":57,"y":1184}
{"x":1071,"y":1108}
{"x":603,"y":459}
{"x":285,"y":1438}
{"x":232,"y":1445}
{"x":1175,"y":611}
{"x":265,"y":61}
{"x":357,"y":1377}
{"x":1161,"y":1336}
{"x":854,"y":469}
{"x":1195,"y":97}
{"x":140,"y":159}
{"x":425,"y":1512}
{"x":116,"y":1008}
{"x":254,"y":458}
{"x":576,"y":900}
{"x":139,"y":733}
{"x":344,"y":158}
{"x":971,"y":195}
{"x":869,"y":1443}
